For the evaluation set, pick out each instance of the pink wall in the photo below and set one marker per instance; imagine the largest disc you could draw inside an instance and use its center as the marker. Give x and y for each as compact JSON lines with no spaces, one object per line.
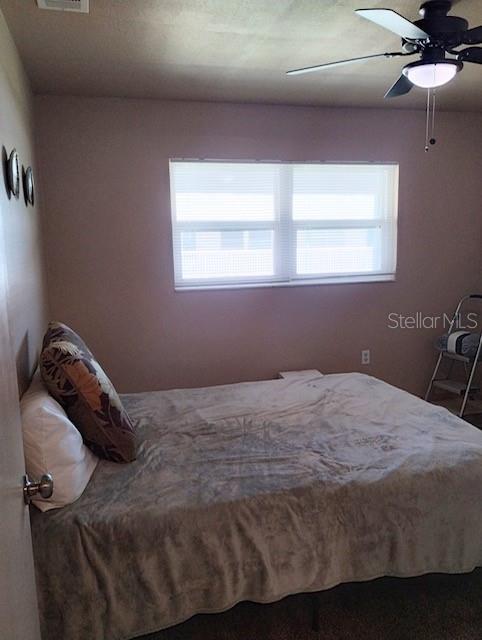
{"x":108,"y":240}
{"x":23,"y":259}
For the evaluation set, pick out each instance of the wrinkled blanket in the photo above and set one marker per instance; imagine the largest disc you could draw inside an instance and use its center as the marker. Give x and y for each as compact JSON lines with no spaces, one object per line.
{"x":254,"y":491}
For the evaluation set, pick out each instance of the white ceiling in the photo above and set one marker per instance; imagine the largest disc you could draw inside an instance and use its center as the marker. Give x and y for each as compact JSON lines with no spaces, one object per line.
{"x":224,"y":50}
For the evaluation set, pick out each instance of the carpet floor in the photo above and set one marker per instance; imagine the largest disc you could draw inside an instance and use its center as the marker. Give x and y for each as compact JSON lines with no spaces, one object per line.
{"x":433,"y":607}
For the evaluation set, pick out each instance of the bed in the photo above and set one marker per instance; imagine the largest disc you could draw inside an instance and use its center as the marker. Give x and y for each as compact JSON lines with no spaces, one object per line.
{"x":254,"y":491}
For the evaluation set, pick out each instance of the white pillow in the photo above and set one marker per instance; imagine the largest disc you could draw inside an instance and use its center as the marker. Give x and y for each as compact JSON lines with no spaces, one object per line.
{"x":53,"y":445}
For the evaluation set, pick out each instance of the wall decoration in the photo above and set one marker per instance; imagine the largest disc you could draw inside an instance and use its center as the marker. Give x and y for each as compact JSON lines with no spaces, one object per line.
{"x":28,"y":186}
{"x":13,"y":174}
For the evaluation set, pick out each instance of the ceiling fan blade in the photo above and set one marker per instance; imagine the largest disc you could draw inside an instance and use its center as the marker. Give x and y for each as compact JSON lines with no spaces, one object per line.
{"x":472,"y":54}
{"x":339,"y":63}
{"x":473,"y":36}
{"x":394,"y":22}
{"x":400,"y":88}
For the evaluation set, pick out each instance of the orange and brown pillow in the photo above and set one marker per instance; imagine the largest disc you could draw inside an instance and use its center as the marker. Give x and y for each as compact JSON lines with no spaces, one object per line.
{"x":57,"y":331}
{"x":76,"y":380}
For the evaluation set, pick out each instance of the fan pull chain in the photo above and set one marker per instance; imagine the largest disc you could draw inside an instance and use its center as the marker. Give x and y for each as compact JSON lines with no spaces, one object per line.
{"x":432,"y":139}
{"x":427,"y":121}
{"x":430,"y":120}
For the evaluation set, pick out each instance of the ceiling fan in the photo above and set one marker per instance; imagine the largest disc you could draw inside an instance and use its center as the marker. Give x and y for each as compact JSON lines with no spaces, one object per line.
{"x":436,"y":38}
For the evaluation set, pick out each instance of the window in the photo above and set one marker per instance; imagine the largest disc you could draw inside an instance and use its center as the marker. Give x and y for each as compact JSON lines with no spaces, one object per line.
{"x":259,"y":223}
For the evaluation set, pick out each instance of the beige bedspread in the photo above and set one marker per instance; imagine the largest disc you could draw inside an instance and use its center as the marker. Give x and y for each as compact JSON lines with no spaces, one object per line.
{"x":254,"y":491}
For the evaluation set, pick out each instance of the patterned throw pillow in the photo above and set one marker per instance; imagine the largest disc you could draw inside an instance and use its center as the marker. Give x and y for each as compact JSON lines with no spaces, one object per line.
{"x":57,"y":331}
{"x":78,"y":383}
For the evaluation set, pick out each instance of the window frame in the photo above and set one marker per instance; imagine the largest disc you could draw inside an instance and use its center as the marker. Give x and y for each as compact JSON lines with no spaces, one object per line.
{"x":284,"y":228}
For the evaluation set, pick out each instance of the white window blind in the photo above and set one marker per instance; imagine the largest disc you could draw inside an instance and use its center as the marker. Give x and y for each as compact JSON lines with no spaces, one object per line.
{"x":261,"y":223}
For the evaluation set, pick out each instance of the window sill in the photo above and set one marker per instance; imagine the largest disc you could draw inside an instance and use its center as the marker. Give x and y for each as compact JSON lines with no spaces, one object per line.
{"x":293,"y":283}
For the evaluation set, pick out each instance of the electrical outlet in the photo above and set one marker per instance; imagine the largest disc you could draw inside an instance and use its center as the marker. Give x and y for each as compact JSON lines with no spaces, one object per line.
{"x":365,"y":356}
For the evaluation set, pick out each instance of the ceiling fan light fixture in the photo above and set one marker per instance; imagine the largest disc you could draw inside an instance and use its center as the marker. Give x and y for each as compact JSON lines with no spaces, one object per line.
{"x":429,"y":75}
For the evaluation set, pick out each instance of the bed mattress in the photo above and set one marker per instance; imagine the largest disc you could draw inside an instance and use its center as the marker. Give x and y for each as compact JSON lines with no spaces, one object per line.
{"x":254,"y":491}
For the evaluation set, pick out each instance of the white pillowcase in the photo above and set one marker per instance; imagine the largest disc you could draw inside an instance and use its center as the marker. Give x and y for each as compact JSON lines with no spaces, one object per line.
{"x":53,"y":445}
